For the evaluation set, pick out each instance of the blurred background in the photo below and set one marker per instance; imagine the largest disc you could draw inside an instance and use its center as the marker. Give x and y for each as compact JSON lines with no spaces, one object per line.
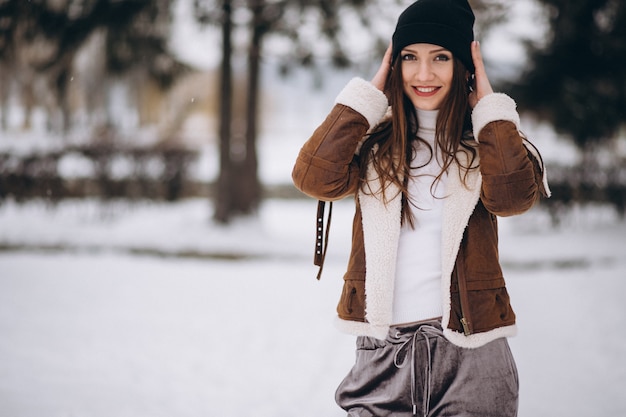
{"x":154,"y":253}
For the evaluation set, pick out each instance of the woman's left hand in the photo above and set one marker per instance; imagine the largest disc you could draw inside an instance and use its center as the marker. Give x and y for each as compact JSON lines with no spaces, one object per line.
{"x":380,"y":79}
{"x":482,"y":86}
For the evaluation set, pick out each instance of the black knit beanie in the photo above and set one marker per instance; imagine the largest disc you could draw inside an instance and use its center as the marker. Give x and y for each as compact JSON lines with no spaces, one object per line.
{"x":447,"y":23}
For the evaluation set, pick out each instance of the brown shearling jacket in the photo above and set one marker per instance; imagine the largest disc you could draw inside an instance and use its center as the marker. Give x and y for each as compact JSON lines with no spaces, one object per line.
{"x":510,"y":178}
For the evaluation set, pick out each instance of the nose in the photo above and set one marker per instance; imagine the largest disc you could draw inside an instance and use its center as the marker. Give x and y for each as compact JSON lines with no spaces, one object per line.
{"x":424,"y":71}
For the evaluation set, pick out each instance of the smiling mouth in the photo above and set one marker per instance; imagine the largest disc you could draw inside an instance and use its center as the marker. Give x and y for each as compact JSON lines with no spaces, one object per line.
{"x":426,"y":91}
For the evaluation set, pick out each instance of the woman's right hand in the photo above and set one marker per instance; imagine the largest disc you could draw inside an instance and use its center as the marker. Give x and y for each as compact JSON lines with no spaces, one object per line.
{"x":380,"y":79}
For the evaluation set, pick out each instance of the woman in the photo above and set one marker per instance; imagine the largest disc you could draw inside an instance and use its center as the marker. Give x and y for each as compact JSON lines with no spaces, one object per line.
{"x":431,"y":159}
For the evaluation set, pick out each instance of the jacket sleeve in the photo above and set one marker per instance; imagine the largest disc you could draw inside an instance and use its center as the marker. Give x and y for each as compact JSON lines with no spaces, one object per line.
{"x":327,"y":167}
{"x":512,"y":169}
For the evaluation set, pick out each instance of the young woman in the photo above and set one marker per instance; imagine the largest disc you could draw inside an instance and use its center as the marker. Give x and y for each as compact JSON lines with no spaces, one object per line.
{"x":432,"y":156}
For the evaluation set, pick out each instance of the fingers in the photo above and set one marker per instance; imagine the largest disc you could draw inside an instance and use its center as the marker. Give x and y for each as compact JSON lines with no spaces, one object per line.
{"x":387,"y":56}
{"x":477,"y":58}
{"x":482,"y":84}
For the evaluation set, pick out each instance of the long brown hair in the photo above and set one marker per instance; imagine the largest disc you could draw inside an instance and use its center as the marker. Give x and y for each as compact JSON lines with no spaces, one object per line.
{"x":396,"y":138}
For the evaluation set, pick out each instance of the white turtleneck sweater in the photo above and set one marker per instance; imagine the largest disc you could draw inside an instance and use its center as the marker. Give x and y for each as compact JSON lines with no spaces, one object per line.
{"x":417,"y":289}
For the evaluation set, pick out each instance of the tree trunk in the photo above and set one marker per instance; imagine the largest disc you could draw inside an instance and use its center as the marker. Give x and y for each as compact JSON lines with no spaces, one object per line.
{"x":6,"y":77}
{"x":249,"y":188}
{"x":238,"y":187}
{"x":224,"y":194}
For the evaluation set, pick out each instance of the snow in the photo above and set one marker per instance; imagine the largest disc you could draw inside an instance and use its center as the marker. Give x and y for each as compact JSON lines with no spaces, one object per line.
{"x":117,"y":309}
{"x":154,"y":337}
{"x":146,"y":309}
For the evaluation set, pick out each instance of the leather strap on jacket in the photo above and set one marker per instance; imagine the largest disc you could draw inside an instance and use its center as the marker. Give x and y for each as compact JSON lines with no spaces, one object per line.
{"x":321,"y":237}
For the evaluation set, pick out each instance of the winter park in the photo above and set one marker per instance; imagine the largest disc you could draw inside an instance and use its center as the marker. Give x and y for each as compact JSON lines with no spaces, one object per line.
{"x":154,"y":262}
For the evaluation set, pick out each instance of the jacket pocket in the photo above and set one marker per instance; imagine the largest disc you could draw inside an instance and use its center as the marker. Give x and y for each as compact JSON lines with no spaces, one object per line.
{"x":492,"y":309}
{"x":352,"y":302}
{"x":488,"y":310}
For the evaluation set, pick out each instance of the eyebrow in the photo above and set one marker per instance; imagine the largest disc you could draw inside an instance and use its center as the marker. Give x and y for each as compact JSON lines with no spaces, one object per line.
{"x":433,"y":51}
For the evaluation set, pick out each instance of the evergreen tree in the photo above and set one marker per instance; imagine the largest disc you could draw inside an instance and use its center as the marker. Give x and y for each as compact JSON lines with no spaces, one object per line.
{"x":575,"y":79}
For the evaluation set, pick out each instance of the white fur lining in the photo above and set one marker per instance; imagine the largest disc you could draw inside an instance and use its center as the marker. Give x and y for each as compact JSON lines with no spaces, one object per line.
{"x":492,"y":107}
{"x":358,"y":328}
{"x":472,"y":341}
{"x":458,"y":206}
{"x":381,"y":234}
{"x":364,"y":98}
{"x":479,"y":339}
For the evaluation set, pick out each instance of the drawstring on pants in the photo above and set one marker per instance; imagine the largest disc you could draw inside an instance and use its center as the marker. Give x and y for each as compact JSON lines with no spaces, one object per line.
{"x":399,"y":361}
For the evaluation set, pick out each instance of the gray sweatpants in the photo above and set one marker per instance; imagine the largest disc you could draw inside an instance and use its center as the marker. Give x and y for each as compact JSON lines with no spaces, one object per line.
{"x":416,"y":371}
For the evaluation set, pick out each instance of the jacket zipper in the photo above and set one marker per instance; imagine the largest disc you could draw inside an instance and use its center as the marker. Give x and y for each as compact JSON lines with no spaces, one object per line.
{"x":463,"y":295}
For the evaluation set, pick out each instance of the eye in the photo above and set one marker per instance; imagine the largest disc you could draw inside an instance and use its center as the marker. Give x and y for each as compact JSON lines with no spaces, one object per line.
{"x":442,"y":58}
{"x":408,"y":57}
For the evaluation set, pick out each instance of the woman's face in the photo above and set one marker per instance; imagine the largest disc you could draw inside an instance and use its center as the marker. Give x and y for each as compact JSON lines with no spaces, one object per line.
{"x":427,"y":72}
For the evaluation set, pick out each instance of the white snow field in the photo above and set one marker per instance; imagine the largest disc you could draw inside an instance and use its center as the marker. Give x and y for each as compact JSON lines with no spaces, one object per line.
{"x":150,"y":310}
{"x":100,"y":318}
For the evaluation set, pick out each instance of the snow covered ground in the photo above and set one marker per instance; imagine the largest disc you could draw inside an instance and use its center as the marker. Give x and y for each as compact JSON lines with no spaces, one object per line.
{"x":151,"y":310}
